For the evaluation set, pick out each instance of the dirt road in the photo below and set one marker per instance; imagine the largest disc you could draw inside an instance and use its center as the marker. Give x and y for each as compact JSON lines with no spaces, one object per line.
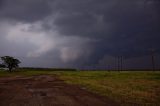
{"x":45,"y":90}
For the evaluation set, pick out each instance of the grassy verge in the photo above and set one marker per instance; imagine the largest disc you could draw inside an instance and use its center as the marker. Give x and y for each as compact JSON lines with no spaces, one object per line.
{"x":136,"y":88}
{"x":127,"y":88}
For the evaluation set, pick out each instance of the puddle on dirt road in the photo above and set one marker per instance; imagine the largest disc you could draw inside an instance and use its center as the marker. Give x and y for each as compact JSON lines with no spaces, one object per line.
{"x":40,"y":92}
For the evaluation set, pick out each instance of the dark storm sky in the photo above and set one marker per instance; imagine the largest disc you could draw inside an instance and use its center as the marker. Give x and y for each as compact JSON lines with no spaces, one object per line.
{"x":67,"y":33}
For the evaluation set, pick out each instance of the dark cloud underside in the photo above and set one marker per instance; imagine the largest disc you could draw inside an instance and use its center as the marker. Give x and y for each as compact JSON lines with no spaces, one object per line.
{"x":81,"y":32}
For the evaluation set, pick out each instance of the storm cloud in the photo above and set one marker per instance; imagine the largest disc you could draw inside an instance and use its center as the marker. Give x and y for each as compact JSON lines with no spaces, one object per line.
{"x":70,"y":33}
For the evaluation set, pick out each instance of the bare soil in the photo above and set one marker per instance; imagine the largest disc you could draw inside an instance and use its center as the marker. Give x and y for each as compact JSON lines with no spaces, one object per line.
{"x":45,"y":90}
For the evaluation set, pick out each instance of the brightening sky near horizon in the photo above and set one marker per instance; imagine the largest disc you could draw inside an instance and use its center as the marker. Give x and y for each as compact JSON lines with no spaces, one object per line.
{"x":77,"y":33}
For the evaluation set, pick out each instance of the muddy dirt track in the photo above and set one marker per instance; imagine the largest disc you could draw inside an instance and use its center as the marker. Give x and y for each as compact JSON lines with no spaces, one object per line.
{"x":45,"y":90}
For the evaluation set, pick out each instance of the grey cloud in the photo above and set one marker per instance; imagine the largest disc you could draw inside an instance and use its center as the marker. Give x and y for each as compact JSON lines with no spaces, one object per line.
{"x":25,"y":10}
{"x":127,"y":28}
{"x":104,"y":28}
{"x":41,"y":48}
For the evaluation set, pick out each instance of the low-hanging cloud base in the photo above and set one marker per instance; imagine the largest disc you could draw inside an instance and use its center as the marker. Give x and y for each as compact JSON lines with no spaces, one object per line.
{"x":74,"y":33}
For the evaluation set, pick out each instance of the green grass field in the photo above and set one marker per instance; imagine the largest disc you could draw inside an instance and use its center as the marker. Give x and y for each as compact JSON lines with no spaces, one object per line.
{"x":126,"y":87}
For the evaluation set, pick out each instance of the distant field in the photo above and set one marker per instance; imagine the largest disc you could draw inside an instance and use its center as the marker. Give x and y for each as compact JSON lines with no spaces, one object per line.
{"x":126,"y":87}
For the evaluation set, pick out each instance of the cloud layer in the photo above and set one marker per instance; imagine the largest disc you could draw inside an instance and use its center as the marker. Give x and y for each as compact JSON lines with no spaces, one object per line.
{"x":67,"y":33}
